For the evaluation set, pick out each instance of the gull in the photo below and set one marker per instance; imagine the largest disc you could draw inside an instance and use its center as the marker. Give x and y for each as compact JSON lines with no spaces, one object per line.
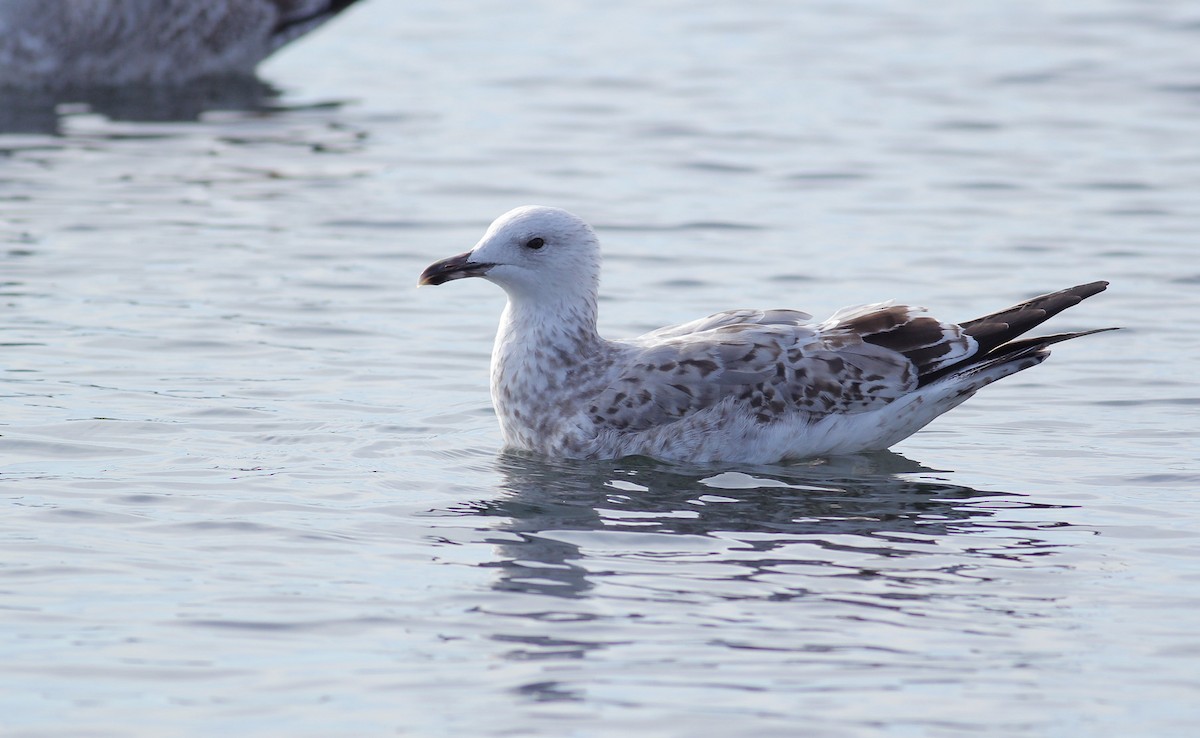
{"x":109,"y":43}
{"x":751,"y":386}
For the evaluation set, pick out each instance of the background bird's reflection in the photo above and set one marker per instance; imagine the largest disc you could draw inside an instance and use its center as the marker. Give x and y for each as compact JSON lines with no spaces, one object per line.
{"x":41,"y":111}
{"x":869,"y":517}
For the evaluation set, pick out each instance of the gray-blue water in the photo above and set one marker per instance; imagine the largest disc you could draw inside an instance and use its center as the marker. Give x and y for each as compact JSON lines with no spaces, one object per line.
{"x":250,"y":477}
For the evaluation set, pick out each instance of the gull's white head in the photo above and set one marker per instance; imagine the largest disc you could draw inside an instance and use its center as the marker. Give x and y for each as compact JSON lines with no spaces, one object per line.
{"x":532,"y":251}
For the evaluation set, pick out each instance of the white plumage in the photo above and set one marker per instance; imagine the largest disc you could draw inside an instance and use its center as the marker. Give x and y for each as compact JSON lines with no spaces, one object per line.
{"x":743,"y":385}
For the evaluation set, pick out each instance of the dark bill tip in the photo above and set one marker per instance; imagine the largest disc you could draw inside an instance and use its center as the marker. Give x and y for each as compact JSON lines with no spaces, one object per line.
{"x":447,"y":270}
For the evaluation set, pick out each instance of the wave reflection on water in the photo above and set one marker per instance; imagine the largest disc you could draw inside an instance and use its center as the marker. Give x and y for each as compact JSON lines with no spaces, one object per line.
{"x":861,"y":562}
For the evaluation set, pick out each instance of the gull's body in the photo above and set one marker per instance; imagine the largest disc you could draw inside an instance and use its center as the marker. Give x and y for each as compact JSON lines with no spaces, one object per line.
{"x":744,"y":385}
{"x":111,"y":43}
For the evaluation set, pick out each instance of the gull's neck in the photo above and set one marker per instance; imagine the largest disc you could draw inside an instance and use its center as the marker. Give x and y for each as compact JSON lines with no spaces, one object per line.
{"x":563,"y":331}
{"x":547,"y":355}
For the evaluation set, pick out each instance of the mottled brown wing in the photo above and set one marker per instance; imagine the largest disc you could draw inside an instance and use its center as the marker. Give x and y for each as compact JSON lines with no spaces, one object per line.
{"x":927,"y":342}
{"x":856,"y":361}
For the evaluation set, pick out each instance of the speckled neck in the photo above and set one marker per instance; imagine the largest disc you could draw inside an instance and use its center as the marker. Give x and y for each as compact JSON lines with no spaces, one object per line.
{"x":547,"y":356}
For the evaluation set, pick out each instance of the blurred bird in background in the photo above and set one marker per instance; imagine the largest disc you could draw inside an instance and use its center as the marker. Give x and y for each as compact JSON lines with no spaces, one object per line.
{"x":146,"y":59}
{"x":52,"y":43}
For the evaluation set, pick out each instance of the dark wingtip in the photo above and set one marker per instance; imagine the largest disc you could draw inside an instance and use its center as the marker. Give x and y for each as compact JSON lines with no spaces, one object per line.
{"x":1043,"y":341}
{"x":997,"y":334}
{"x":1017,"y":350}
{"x":287,"y":24}
{"x":1091,"y":288}
{"x":1000,"y":327}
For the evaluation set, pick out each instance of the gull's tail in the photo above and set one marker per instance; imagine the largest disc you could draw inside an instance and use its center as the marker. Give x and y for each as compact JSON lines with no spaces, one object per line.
{"x":1000,"y":352}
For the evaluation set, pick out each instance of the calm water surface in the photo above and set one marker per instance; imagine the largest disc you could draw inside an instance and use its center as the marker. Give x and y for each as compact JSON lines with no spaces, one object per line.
{"x":250,"y":476}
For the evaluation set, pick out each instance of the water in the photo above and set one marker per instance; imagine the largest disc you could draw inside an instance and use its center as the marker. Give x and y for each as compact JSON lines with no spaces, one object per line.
{"x":251,"y":479}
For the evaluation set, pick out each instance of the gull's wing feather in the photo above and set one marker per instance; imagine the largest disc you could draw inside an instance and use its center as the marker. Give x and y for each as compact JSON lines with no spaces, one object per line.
{"x":770,"y":363}
{"x":747,"y":317}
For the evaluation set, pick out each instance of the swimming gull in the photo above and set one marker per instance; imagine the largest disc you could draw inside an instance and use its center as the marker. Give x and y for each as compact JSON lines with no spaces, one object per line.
{"x":756,"y":386}
{"x":110,"y":43}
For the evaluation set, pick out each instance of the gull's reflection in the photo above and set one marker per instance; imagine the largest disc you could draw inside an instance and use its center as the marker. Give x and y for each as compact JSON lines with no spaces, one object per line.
{"x":878,"y":505}
{"x":41,"y":111}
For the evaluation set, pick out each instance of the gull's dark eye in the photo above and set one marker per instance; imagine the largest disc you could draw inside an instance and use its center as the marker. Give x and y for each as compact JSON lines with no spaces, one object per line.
{"x":535,"y":243}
